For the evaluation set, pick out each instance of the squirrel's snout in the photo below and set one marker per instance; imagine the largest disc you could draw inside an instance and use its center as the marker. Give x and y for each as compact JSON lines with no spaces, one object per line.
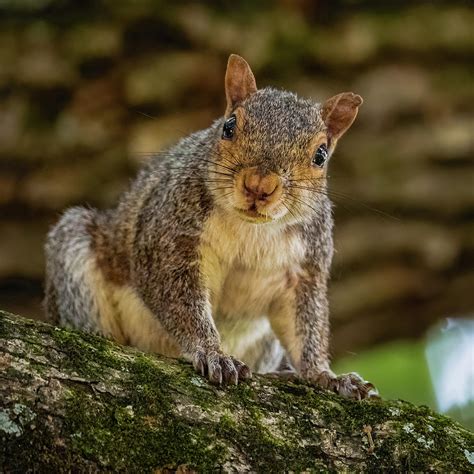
{"x":260,"y":187}
{"x":258,"y":195}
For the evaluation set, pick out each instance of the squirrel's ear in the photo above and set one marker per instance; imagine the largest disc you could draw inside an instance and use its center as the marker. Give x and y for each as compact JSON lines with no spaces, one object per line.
{"x":239,"y":81}
{"x":339,"y":112}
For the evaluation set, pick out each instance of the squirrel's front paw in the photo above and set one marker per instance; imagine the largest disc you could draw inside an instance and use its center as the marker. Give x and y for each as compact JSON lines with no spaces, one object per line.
{"x":350,"y":385}
{"x":220,"y":368}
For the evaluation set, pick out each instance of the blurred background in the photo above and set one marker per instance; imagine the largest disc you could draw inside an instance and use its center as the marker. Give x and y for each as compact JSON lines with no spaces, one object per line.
{"x":89,"y":90}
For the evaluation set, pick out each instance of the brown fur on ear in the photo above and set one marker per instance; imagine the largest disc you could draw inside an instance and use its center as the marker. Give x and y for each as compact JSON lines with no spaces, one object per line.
{"x":239,"y":81}
{"x":339,"y":112}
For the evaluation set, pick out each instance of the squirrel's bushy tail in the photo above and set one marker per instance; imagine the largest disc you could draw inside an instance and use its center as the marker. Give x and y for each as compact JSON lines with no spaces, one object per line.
{"x":70,"y":265}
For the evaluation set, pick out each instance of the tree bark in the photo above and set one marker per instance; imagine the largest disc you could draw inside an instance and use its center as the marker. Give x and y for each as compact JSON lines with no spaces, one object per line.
{"x":76,"y":402}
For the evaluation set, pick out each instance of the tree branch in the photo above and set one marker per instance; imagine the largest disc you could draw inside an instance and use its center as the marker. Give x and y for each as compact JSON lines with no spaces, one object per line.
{"x":72,"y":401}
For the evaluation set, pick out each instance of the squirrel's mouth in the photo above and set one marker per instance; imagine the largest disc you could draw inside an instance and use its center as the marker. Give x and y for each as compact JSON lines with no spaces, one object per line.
{"x":252,"y":215}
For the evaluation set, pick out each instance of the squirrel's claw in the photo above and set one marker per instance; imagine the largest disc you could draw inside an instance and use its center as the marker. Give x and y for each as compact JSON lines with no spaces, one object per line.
{"x":243,"y":371}
{"x":220,"y":368}
{"x":350,"y":385}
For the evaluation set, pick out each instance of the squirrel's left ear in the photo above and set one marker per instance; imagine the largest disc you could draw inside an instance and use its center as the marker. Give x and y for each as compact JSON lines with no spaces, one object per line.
{"x":239,"y":81}
{"x":339,"y":112}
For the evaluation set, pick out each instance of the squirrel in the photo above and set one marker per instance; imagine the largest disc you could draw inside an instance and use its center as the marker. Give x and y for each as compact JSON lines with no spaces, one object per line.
{"x":220,"y":251}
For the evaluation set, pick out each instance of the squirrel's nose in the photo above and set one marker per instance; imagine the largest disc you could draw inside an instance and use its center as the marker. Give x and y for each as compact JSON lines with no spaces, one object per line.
{"x":260,"y":187}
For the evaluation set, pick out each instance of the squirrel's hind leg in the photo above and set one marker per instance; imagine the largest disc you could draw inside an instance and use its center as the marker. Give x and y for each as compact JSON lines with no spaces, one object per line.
{"x":80,"y":295}
{"x":74,"y":284}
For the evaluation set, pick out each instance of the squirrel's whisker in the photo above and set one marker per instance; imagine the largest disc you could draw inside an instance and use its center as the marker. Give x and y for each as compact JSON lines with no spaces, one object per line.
{"x":220,"y":173}
{"x":290,"y":211}
{"x":232,"y":170}
{"x":218,"y":188}
{"x":316,"y":178}
{"x":340,"y":195}
{"x":234,"y":161}
{"x":301,"y":201}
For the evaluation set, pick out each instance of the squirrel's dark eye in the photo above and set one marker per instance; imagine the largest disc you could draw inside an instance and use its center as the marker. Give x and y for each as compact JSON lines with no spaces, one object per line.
{"x":229,"y":128}
{"x":320,"y":156}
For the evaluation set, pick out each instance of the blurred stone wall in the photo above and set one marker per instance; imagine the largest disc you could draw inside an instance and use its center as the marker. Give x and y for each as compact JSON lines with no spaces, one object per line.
{"x":88,"y":90}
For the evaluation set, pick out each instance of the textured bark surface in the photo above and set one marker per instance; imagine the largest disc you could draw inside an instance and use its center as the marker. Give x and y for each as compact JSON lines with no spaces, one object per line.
{"x":70,"y":401}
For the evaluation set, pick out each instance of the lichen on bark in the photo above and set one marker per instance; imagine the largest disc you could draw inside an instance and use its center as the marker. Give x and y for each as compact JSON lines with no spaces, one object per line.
{"x":73,"y":401}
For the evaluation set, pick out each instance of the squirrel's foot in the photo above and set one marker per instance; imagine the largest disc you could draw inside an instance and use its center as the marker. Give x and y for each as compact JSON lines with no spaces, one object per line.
{"x":220,"y":368}
{"x":350,"y":385}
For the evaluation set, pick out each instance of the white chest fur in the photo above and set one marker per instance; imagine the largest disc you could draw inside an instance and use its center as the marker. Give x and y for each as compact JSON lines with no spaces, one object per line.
{"x":258,"y":246}
{"x":246,"y":266}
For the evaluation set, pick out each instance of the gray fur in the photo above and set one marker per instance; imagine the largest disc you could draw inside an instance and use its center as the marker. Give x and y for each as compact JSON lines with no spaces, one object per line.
{"x":69,"y":299}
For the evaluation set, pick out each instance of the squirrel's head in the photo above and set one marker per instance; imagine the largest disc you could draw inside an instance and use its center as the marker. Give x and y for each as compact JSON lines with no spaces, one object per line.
{"x":271,"y":157}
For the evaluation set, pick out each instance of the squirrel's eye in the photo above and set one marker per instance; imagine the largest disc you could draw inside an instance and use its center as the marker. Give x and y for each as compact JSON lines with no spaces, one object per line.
{"x":229,"y":128}
{"x":320,"y":156}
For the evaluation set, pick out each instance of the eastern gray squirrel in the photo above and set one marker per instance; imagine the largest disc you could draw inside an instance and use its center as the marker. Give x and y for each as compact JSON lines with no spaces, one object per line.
{"x":220,"y":251}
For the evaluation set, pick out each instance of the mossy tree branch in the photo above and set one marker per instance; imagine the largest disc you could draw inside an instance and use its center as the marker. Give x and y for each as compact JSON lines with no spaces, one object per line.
{"x":71,"y":401}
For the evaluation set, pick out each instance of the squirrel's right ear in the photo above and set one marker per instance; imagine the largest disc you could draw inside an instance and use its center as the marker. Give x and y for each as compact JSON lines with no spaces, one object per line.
{"x":239,"y":82}
{"x":339,"y":112}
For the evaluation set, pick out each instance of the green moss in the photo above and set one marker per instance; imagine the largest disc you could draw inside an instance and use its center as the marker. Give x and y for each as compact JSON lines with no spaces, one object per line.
{"x":126,"y":435}
{"x":86,"y":354}
{"x":269,"y":439}
{"x":143,"y":422}
{"x":227,"y":422}
{"x":4,"y":327}
{"x":367,"y":412}
{"x":425,"y":447}
{"x":12,"y":373}
{"x":418,"y":435}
